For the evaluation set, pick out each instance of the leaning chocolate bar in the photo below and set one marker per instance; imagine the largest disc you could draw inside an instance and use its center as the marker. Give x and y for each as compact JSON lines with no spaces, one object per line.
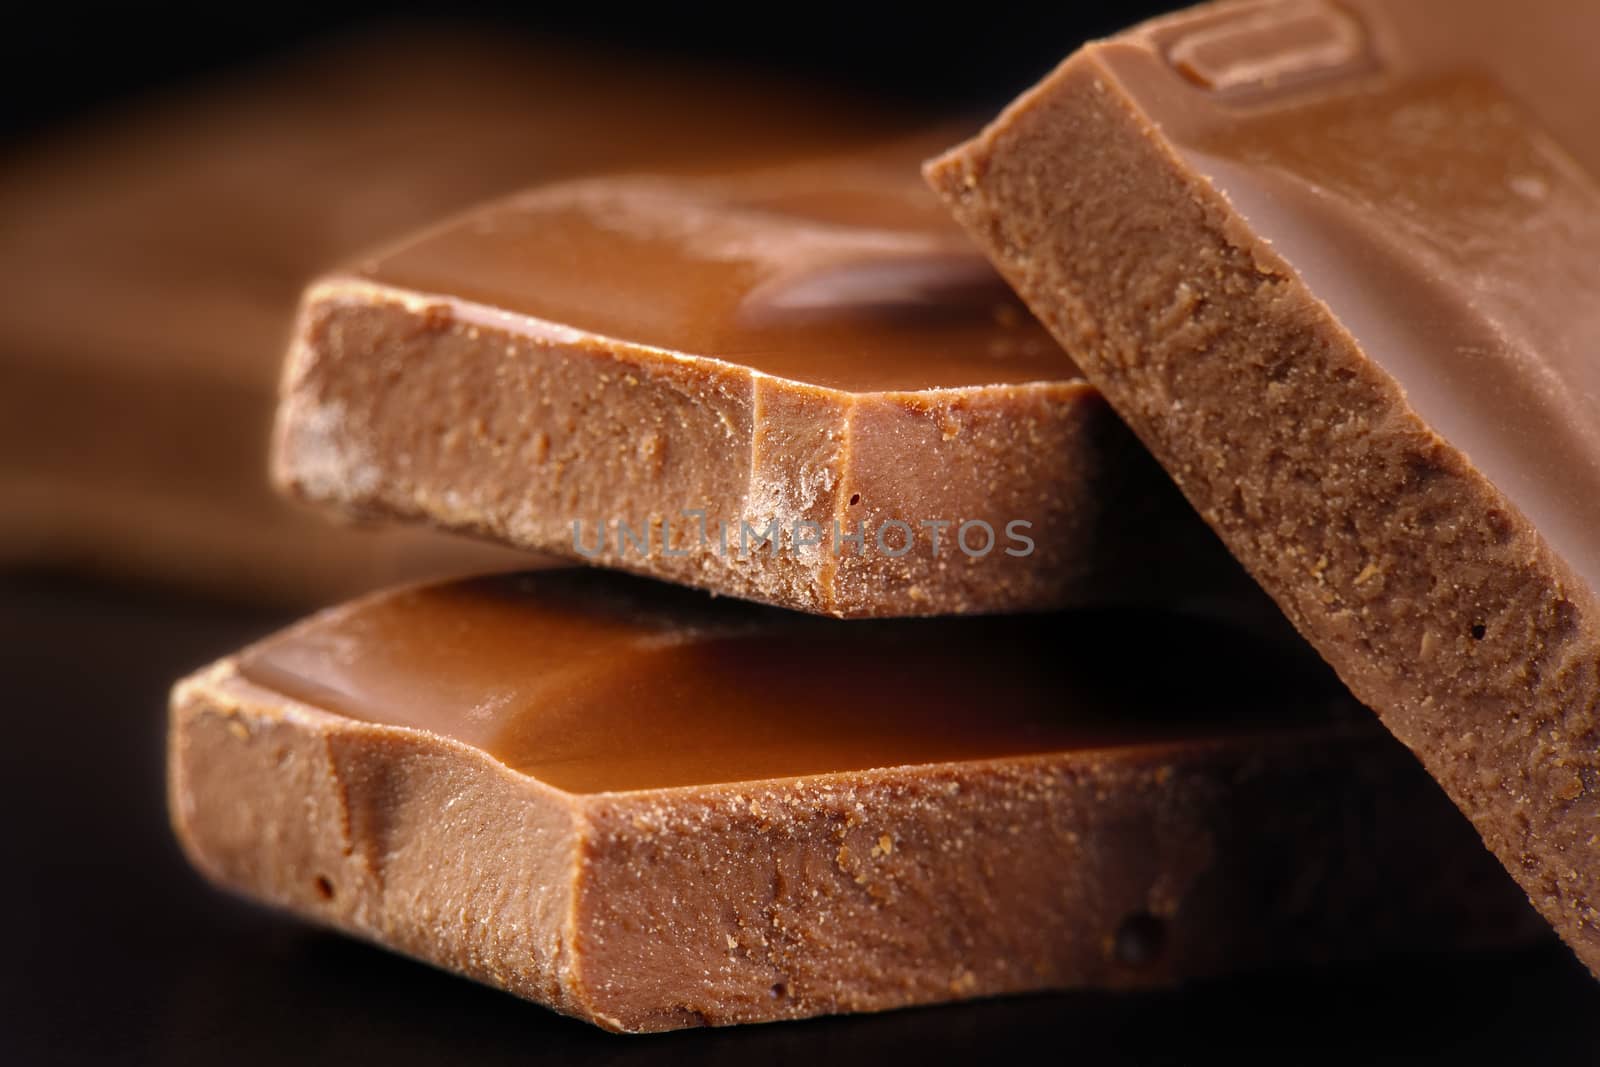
{"x":652,"y":810}
{"x":1338,"y":264}
{"x":802,"y":386}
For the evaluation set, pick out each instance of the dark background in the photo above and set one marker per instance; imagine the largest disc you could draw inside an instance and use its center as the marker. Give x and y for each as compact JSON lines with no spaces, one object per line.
{"x":117,"y":953}
{"x":62,"y":60}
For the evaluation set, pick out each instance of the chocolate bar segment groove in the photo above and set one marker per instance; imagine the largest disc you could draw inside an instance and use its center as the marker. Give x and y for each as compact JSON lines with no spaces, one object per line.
{"x":1354,"y":314}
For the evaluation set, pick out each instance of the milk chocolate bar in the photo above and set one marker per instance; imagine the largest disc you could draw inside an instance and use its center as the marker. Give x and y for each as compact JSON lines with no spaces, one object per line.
{"x":152,"y":260}
{"x":801,"y":386}
{"x":1338,"y":264}
{"x":651,"y":810}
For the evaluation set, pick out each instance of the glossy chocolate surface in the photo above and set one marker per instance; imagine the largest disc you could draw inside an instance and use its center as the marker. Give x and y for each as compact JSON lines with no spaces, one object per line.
{"x":850,"y":276}
{"x":594,"y":682}
{"x":1429,"y":169}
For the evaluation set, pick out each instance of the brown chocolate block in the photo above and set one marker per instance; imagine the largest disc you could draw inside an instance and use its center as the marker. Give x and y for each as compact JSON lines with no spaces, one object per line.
{"x":152,"y":259}
{"x":651,"y":810}
{"x":1338,"y":264}
{"x":650,"y":373}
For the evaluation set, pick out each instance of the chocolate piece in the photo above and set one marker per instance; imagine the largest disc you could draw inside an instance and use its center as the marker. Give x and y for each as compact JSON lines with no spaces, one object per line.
{"x":1338,"y":265}
{"x":720,"y":381}
{"x":152,"y":260}
{"x":651,"y":810}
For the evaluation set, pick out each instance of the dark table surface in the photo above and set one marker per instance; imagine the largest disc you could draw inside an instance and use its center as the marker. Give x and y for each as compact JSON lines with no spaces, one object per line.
{"x":120,"y":954}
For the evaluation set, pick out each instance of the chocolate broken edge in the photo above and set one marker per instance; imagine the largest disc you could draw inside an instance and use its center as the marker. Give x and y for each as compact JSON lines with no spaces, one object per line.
{"x":1133,"y":868}
{"x":1106,"y":525}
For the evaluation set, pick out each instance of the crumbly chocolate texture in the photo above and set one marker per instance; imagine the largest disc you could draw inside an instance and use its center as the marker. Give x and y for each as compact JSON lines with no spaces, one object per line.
{"x":816,"y":347}
{"x":650,"y":811}
{"x":152,"y":262}
{"x":1336,"y":264}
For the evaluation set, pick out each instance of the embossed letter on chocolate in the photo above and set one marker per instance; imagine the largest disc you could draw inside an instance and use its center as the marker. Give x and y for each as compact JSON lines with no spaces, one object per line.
{"x":651,"y":373}
{"x":651,"y":810}
{"x":1338,"y":264}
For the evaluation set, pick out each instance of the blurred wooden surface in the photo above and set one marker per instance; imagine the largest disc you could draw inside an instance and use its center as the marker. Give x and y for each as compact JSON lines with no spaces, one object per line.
{"x":152,"y":258}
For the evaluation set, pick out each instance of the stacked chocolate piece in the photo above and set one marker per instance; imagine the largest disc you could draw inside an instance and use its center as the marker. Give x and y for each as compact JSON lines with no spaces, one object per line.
{"x":1314,"y":253}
